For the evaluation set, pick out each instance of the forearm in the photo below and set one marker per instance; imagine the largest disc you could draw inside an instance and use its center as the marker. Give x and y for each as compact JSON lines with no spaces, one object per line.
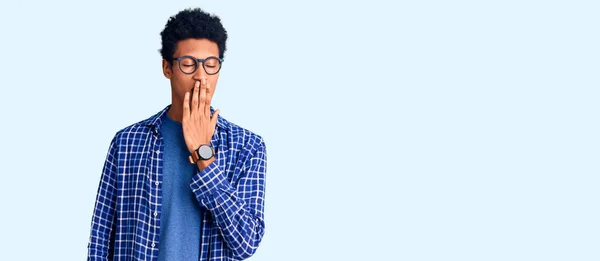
{"x":103,"y":220}
{"x":102,"y":230}
{"x":241,"y":229}
{"x":100,"y":246}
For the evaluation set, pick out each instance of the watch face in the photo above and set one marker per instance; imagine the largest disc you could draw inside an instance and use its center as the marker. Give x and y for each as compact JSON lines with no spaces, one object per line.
{"x":205,"y":152}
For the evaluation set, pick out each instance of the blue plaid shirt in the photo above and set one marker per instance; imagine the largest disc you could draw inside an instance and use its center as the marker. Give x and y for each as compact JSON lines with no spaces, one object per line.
{"x":126,"y":218}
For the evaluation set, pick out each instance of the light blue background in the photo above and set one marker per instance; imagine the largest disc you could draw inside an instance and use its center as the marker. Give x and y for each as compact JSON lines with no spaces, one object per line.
{"x":407,"y":130}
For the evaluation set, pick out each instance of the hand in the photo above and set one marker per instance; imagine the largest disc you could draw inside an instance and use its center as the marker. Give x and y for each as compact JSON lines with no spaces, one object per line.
{"x":197,"y":123}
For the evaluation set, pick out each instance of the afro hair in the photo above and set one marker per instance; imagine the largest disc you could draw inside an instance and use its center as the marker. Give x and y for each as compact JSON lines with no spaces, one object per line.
{"x":192,"y":23}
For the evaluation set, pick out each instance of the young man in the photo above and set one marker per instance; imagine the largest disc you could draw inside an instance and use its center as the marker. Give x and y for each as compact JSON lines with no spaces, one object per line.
{"x":184,"y":184}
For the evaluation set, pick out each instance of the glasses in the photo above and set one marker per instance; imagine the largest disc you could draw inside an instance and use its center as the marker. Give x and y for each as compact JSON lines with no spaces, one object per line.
{"x":189,"y":64}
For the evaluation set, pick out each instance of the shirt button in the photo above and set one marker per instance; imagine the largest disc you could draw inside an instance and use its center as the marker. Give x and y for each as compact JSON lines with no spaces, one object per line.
{"x":156,"y":183}
{"x":153,"y":245}
{"x":155,"y":213}
{"x":157,"y":151}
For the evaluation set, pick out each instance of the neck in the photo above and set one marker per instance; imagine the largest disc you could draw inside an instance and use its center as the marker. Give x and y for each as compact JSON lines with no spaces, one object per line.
{"x":175,"y":111}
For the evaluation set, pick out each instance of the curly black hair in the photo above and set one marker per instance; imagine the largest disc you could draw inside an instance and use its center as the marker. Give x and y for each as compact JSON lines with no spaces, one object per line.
{"x":192,"y":23}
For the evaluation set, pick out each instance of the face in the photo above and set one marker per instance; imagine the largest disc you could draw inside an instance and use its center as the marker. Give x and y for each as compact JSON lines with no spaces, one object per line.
{"x":181,"y":82}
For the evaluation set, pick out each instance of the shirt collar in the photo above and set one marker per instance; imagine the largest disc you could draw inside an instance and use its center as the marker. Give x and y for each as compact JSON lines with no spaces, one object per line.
{"x":156,"y":120}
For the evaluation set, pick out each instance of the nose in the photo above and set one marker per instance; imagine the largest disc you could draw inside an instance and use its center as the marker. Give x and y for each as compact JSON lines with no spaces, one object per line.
{"x":200,"y":72}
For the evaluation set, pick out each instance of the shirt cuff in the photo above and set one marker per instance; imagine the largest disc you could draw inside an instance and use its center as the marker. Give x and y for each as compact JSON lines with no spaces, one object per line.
{"x":210,"y":185}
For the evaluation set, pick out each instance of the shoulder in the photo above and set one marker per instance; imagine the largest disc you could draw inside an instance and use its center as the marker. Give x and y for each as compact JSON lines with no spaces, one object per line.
{"x":139,"y":130}
{"x":248,"y":140}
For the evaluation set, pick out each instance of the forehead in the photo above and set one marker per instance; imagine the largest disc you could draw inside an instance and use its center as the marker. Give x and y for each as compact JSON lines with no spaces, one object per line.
{"x":199,"y":48}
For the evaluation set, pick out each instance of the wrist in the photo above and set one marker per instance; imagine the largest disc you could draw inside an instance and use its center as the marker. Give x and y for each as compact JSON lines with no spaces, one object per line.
{"x":203,"y":164}
{"x":196,"y":146}
{"x":205,"y":153}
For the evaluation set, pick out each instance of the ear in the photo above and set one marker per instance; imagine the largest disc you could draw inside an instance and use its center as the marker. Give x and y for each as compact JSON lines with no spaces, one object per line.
{"x":167,"y":70}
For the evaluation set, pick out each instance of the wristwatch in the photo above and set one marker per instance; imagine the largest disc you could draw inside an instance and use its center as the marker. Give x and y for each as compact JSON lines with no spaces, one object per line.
{"x":204,"y":152}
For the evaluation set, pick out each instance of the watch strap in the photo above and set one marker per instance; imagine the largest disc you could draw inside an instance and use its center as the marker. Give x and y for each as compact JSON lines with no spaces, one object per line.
{"x":194,"y":157}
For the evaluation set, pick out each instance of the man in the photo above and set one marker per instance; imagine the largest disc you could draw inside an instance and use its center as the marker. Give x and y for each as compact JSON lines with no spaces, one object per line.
{"x":184,"y":184}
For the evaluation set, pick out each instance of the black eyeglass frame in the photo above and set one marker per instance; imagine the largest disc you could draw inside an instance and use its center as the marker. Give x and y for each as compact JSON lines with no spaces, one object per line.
{"x":197,"y":62}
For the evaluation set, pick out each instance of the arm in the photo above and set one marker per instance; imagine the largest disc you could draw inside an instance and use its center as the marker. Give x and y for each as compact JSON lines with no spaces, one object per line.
{"x":238,"y":210}
{"x":101,"y":236}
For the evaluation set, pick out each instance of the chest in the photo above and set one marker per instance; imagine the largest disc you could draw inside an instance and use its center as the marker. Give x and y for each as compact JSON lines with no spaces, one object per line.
{"x":143,"y":163}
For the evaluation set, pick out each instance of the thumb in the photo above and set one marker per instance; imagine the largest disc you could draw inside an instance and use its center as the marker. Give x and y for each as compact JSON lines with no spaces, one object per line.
{"x":215,"y":117}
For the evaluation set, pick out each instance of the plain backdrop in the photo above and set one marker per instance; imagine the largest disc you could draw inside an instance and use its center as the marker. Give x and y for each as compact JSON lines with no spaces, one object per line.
{"x":395,"y":130}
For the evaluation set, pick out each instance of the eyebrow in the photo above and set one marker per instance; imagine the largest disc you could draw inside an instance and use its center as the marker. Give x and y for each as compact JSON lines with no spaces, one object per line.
{"x":199,"y":57}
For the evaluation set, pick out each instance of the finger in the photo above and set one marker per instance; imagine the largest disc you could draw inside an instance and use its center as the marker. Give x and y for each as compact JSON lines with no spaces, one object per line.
{"x":195,"y":96}
{"x":209,"y":94}
{"x":186,"y":104}
{"x":203,"y":97}
{"x":215,"y":118}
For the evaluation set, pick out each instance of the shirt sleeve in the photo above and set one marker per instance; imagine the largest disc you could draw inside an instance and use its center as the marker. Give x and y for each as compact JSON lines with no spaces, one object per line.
{"x":102,"y":228}
{"x":238,"y":210}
